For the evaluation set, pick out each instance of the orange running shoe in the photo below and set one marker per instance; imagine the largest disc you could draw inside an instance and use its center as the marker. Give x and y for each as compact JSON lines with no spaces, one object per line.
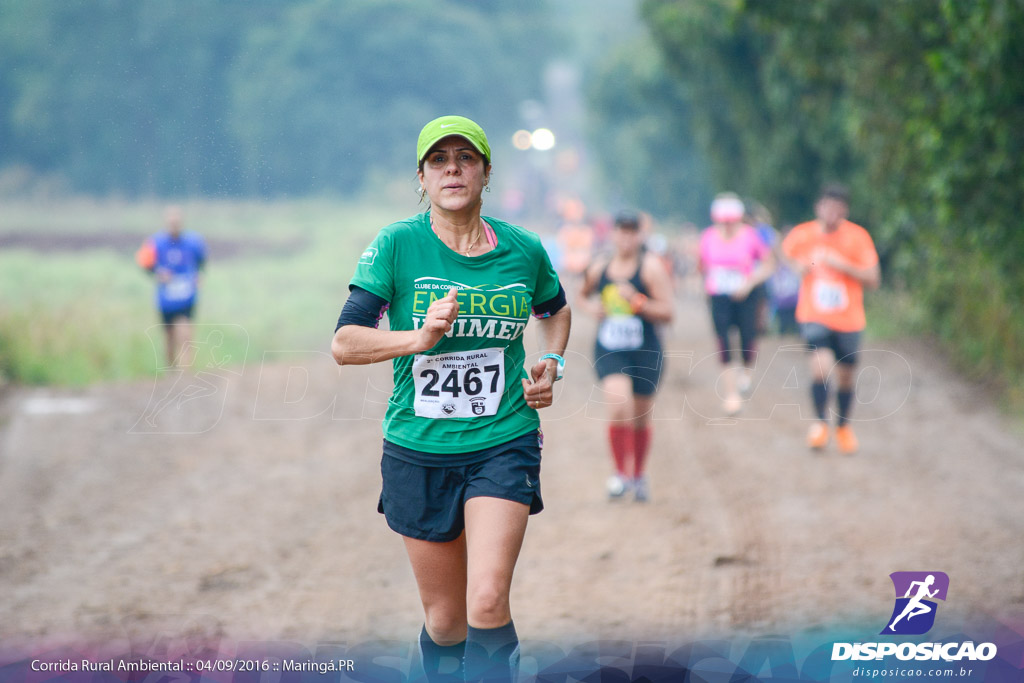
{"x":817,"y":436}
{"x":846,"y":440}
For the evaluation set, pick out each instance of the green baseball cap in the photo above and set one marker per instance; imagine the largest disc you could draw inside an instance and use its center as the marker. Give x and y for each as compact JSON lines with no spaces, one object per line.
{"x":444,"y":126}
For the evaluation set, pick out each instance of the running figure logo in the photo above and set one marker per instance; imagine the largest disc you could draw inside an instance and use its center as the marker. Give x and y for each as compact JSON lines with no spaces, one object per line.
{"x":914,"y":613}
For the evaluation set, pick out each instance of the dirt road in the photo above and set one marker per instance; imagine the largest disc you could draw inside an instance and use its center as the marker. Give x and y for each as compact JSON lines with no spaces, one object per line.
{"x":240,"y":503}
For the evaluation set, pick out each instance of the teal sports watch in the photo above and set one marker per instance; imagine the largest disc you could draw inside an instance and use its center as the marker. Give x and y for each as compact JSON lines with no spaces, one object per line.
{"x":561,"y":364}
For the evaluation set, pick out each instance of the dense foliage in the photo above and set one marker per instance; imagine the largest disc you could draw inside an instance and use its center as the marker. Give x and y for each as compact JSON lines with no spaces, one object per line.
{"x":919,"y":106}
{"x":251,"y":98}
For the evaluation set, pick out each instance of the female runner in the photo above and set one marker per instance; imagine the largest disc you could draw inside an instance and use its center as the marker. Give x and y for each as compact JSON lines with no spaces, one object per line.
{"x":462,"y":444}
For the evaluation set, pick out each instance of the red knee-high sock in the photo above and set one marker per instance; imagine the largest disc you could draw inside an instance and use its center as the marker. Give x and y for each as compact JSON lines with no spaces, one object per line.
{"x":621,"y":439}
{"x":641,"y":445}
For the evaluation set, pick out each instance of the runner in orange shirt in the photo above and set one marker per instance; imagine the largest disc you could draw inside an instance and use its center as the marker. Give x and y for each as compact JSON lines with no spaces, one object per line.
{"x":836,"y":260}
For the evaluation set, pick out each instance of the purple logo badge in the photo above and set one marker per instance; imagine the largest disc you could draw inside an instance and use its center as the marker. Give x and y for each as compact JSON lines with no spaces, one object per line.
{"x":916,"y":592}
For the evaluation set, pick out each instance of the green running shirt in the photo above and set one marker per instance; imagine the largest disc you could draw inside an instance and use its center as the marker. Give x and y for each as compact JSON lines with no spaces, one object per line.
{"x":464,"y":394}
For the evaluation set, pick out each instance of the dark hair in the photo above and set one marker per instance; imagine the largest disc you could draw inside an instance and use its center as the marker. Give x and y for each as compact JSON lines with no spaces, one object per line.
{"x":627,"y":219}
{"x":835,"y":191}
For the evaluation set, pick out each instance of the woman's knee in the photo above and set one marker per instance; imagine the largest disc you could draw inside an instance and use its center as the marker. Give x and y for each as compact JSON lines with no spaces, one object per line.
{"x":643,"y":410}
{"x":488,"y":604}
{"x":618,"y":396}
{"x":446,"y":624}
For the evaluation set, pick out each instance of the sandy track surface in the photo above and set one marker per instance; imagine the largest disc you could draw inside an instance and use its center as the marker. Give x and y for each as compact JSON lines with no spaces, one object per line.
{"x":241,"y":503}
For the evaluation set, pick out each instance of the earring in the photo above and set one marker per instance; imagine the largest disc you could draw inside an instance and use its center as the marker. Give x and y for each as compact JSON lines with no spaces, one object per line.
{"x":487,"y":188}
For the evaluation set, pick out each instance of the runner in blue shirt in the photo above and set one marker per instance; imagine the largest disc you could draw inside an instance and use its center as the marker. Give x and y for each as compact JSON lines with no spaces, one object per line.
{"x":175,"y":257}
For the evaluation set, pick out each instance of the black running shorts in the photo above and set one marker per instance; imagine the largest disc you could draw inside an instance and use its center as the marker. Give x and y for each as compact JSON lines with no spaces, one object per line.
{"x":642,"y":366}
{"x":844,"y":345}
{"x":428,"y":502}
{"x":169,"y":317}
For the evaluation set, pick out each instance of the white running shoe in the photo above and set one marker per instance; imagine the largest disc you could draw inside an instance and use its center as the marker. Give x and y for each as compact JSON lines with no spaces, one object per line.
{"x":744,"y":382}
{"x":641,"y":492}
{"x":617,"y":486}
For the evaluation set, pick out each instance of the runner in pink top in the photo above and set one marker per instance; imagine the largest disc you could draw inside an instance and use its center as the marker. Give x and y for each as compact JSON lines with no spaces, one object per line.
{"x":729,"y":262}
{"x":733,"y":261}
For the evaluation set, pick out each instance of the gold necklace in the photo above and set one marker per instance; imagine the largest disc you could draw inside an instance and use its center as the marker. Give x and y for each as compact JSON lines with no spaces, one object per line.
{"x":471,"y":247}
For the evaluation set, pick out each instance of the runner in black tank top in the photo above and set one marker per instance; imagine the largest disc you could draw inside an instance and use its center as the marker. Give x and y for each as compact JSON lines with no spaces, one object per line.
{"x":623,"y":335}
{"x":634,"y":295}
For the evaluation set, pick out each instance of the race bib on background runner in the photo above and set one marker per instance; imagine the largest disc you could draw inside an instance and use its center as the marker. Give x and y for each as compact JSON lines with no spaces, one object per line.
{"x":830,"y":296}
{"x":723,"y":280}
{"x":459,"y":384}
{"x":179,"y":288}
{"x":621,"y":333}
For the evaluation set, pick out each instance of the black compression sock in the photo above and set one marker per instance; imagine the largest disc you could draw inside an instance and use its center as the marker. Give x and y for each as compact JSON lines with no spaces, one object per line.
{"x":441,"y":663}
{"x":819,"y":392}
{"x":492,"y":654}
{"x":844,"y":398}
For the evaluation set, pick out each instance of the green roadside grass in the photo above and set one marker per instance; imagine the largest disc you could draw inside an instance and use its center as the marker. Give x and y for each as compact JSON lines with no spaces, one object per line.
{"x":894,"y":314}
{"x":72,"y":318}
{"x":976,"y":349}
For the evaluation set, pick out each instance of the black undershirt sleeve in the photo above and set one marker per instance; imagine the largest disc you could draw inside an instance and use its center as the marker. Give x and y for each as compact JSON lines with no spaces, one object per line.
{"x":551,"y":306}
{"x":362,"y":308}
